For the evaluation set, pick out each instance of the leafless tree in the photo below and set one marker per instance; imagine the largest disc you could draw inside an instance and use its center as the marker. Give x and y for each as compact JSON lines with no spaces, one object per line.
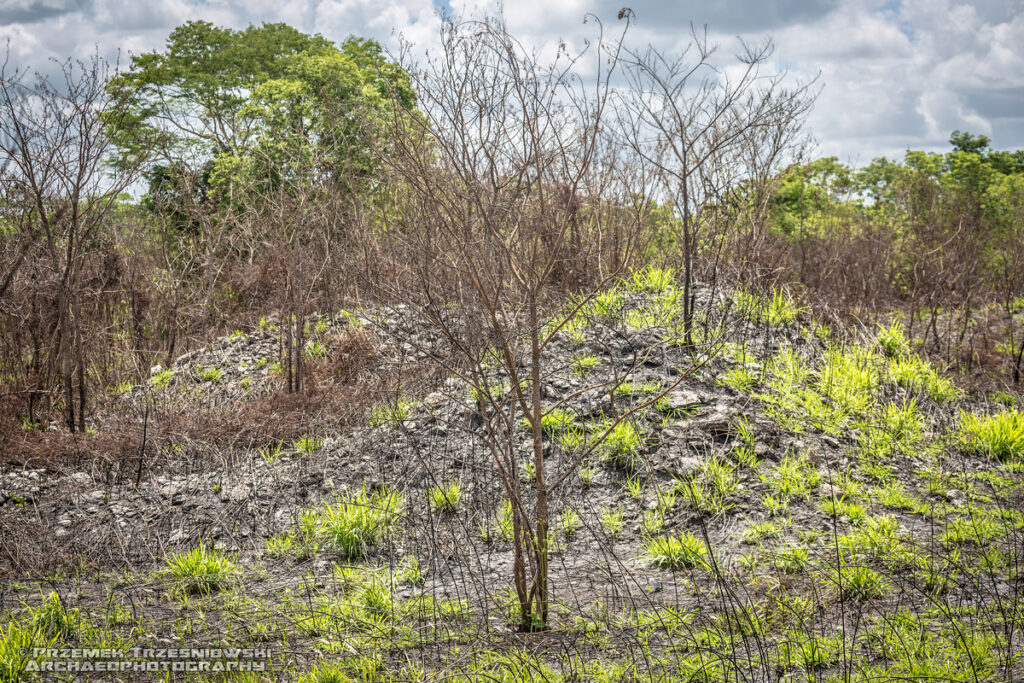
{"x":708,"y":132}
{"x":504,"y":193}
{"x":55,"y":139}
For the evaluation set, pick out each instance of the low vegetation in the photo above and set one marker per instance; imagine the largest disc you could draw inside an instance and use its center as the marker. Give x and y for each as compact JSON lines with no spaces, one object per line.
{"x":535,"y":452}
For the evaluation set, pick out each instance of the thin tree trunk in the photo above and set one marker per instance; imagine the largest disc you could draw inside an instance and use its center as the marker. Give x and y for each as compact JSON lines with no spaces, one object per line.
{"x":541,"y":579}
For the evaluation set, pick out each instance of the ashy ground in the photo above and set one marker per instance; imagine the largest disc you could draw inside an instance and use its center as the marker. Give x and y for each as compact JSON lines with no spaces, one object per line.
{"x":802,"y":504}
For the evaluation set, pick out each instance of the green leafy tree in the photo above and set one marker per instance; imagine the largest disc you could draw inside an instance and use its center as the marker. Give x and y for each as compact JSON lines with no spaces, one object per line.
{"x":217,"y":103}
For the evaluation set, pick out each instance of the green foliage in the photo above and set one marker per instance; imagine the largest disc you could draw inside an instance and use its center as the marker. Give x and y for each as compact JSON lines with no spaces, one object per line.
{"x":999,"y":436}
{"x":557,"y":421}
{"x":859,"y":582}
{"x":652,"y":521}
{"x":651,"y":280}
{"x":892,"y":341}
{"x":621,"y":447}
{"x":17,"y":642}
{"x":356,"y":522}
{"x":271,"y":453}
{"x":162,"y":379}
{"x":605,"y":305}
{"x":584,"y":364}
{"x":791,"y":559}
{"x":503,"y":528}
{"x":612,"y":521}
{"x":569,"y":522}
{"x":682,"y":551}
{"x":793,"y":478}
{"x":391,"y":414}
{"x":315,"y":350}
{"x":808,"y":652}
{"x":306,"y":445}
{"x":898,"y":429}
{"x":233,"y":100}
{"x":761,"y":531}
{"x":200,"y":571}
{"x":917,"y":375}
{"x":445,"y":498}
{"x":214,"y":375}
{"x":711,"y":489}
{"x":776,"y":309}
{"x":849,"y":377}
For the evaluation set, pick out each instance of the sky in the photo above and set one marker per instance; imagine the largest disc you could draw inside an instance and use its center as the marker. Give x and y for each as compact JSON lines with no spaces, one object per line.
{"x":895,"y":75}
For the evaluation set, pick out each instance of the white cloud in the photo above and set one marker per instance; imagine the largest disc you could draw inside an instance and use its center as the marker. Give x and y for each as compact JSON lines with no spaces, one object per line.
{"x":896,"y":74}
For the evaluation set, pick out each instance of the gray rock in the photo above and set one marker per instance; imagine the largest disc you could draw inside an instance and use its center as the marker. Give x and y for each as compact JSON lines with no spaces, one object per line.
{"x":681,"y":399}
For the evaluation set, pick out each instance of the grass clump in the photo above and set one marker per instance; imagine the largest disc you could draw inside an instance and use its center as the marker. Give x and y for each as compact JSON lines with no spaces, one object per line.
{"x":357,"y":522}
{"x":503,"y":528}
{"x":392,"y":415}
{"x":555,"y":421}
{"x":603,"y":305}
{"x":777,"y":309}
{"x":214,"y":375}
{"x":445,"y":498}
{"x":612,"y":521}
{"x":858,"y":582}
{"x":683,"y":551}
{"x":200,"y":571}
{"x":17,"y":641}
{"x":306,"y":445}
{"x":999,"y":436}
{"x":569,"y":522}
{"x":583,"y":364}
{"x":792,"y":559}
{"x":651,"y":280}
{"x":162,"y":379}
{"x":916,"y":374}
{"x":622,"y":446}
{"x":712,"y":488}
{"x":793,"y":478}
{"x":891,"y":340}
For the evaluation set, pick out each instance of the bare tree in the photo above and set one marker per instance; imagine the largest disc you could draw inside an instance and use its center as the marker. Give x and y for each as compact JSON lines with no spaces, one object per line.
{"x":708,"y":132}
{"x":504,"y":194}
{"x":56,"y":193}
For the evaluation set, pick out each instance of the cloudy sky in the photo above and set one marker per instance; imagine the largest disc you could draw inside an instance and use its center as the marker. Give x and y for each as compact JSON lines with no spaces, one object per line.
{"x":896,"y":75}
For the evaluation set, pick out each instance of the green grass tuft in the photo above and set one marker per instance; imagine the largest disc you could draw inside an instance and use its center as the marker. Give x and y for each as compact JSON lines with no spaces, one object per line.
{"x":1000,"y":436}
{"x":683,"y":551}
{"x":445,"y":498}
{"x":357,"y":522}
{"x":200,"y":571}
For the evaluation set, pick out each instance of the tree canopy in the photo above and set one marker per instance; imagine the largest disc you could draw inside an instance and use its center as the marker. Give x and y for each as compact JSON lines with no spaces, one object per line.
{"x":217,"y":103}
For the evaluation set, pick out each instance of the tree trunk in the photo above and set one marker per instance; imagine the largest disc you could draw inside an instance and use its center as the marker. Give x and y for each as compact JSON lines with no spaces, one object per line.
{"x":541,"y":578}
